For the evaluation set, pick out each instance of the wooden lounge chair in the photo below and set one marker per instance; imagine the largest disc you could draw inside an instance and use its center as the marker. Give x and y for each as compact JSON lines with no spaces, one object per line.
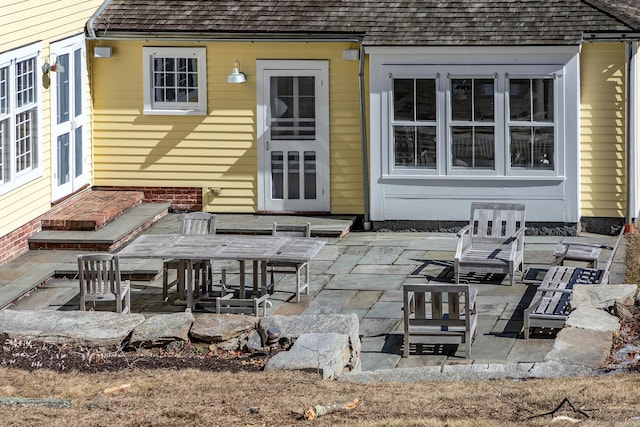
{"x":550,"y":306}
{"x":192,"y":223}
{"x":285,"y":267}
{"x":439,"y":310}
{"x":99,"y":276}
{"x":493,"y":241}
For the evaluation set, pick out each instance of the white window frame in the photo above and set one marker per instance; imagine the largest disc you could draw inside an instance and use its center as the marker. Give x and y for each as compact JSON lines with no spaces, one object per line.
{"x":9,"y":61}
{"x":444,"y":74}
{"x":152,"y":107}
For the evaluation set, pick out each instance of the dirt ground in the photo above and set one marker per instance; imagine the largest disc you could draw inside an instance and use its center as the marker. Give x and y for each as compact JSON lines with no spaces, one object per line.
{"x":199,"y":384}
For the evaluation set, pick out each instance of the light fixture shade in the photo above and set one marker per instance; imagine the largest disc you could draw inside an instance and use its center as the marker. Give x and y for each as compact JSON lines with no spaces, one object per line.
{"x":236,"y":75}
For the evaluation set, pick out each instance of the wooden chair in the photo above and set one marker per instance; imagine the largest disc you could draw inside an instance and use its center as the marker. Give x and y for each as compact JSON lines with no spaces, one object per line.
{"x":192,"y":223}
{"x":444,"y":310}
{"x":284,"y":267}
{"x":99,"y":276}
{"x":495,"y":242}
{"x":228,"y":304}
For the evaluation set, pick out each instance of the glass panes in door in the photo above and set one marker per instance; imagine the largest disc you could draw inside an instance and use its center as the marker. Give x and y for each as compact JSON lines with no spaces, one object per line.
{"x":293,"y":177}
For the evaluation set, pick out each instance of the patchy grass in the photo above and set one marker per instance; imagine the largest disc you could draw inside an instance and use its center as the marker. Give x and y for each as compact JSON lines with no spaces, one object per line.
{"x":192,"y":397}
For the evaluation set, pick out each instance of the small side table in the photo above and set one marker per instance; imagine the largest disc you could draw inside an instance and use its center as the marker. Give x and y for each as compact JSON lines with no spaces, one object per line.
{"x":566,"y":251}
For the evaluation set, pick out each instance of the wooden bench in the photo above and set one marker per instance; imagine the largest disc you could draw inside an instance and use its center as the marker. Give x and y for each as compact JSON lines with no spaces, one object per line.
{"x":550,"y":306}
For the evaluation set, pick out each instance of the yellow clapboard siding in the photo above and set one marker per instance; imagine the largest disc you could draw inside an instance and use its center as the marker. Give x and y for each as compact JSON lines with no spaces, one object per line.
{"x":23,"y":22}
{"x":222,"y":145}
{"x":602,"y":129}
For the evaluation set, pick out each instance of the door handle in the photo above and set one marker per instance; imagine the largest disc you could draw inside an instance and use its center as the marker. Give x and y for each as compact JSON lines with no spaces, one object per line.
{"x":267,"y":145}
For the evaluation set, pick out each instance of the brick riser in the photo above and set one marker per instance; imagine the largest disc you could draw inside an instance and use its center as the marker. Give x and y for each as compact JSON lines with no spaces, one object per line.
{"x":90,"y":210}
{"x":96,"y":246}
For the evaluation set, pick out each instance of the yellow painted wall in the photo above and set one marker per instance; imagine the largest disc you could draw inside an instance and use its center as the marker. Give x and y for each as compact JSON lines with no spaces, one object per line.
{"x":602,"y":151}
{"x":23,"y":22}
{"x":219,"y":149}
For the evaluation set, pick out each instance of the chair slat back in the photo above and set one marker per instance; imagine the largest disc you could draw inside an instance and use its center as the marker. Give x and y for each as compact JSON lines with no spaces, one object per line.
{"x":293,"y":230}
{"x":99,"y":274}
{"x":495,"y":222}
{"x":445,"y":304}
{"x":198,"y":223}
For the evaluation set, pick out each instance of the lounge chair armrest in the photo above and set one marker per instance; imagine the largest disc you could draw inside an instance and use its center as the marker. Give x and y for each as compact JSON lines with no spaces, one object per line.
{"x":460,"y":234}
{"x":463,"y":230}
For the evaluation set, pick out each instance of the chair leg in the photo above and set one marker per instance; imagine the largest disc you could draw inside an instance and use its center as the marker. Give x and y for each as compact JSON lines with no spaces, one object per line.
{"x":128,"y":300}
{"x":165,"y":282}
{"x":307,"y":279}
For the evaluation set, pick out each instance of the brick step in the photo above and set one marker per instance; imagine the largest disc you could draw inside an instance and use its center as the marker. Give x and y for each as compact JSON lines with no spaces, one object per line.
{"x":119,"y":231}
{"x":91,"y":210}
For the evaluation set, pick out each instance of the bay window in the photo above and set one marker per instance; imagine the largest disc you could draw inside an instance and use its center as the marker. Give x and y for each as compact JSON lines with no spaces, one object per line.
{"x":475,"y":120}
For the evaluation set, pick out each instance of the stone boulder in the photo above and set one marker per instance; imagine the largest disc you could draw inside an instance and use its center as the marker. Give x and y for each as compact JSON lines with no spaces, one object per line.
{"x":292,"y":327}
{"x":162,"y":329}
{"x":324,"y":353}
{"x":88,"y":328}
{"x":217,"y":328}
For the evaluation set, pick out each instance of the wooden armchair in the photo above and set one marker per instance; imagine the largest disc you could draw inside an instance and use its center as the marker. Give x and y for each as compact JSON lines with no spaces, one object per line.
{"x":494,"y":240}
{"x":284,"y":267}
{"x":192,"y":223}
{"x":99,"y":276}
{"x":439,"y":310}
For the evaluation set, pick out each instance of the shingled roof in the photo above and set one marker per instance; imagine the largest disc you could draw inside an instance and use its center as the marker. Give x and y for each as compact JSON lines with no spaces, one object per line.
{"x":379,"y":22}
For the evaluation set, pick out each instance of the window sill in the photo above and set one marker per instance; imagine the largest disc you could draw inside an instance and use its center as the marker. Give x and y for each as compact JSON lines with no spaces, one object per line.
{"x":185,"y":112}
{"x":537,"y":178}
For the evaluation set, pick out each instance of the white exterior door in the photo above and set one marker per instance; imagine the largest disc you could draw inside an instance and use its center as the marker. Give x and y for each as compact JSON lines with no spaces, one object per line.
{"x":69,"y":153}
{"x":293,"y":136}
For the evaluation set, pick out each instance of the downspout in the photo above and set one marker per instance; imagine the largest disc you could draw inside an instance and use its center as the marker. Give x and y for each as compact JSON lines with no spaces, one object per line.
{"x":90,"y":30}
{"x":363,"y":140}
{"x":629,"y":147}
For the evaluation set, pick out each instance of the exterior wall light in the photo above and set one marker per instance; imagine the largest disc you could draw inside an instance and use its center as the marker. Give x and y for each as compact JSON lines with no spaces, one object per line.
{"x":51,"y":65}
{"x":236,"y":75}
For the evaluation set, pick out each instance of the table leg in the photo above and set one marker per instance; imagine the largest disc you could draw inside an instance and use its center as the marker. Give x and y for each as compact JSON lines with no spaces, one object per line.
{"x":263,"y":277}
{"x":188,"y":264}
{"x":255,"y":277}
{"x":242,"y":279}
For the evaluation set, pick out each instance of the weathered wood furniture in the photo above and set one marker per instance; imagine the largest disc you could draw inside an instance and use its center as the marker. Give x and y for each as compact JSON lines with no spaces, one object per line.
{"x":494,"y":240}
{"x":288,"y":267}
{"x":550,"y":305}
{"x":99,"y":276}
{"x":198,"y":223}
{"x":585,"y":252}
{"x":229,"y":304}
{"x":439,"y":310}
{"x":259,"y":249}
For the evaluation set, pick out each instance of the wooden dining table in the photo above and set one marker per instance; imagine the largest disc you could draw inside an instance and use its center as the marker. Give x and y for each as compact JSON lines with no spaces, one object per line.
{"x":258,"y":249}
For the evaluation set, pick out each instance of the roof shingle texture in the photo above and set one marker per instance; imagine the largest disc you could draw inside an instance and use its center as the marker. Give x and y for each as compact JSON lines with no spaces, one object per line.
{"x":402,"y":22}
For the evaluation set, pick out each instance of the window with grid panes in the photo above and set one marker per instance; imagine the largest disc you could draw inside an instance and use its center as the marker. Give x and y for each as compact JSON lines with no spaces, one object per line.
{"x":175,"y":80}
{"x":19,"y":117}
